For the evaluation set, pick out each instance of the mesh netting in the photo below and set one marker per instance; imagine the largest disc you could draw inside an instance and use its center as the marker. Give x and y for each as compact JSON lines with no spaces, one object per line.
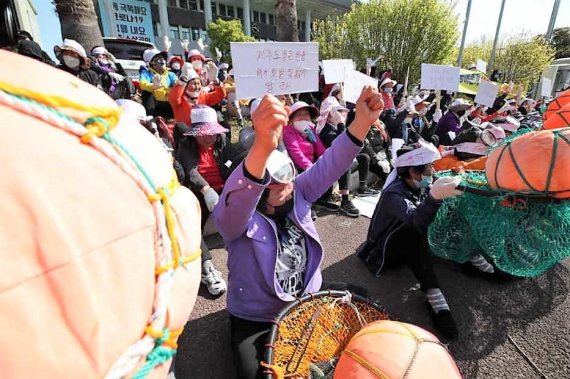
{"x":522,"y":236}
{"x":317,"y":331}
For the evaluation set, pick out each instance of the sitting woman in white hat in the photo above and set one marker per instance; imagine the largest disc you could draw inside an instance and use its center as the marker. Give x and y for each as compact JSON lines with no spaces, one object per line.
{"x":450,"y":124}
{"x":74,"y":61}
{"x":208,"y":158}
{"x":114,"y":79}
{"x":155,"y":83}
{"x":398,"y":229}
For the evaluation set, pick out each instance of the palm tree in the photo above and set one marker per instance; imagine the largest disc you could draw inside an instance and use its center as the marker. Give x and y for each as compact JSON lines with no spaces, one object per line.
{"x":286,"y":11}
{"x":79,"y":22}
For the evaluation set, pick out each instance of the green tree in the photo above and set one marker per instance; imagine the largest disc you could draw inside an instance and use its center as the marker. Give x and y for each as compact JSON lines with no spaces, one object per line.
{"x":79,"y":22}
{"x":561,"y":42}
{"x":521,"y":58}
{"x":405,"y":33}
{"x":223,"y":32}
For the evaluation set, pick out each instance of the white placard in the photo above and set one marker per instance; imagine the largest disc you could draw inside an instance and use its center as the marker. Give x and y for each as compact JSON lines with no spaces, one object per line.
{"x":334,"y":69}
{"x":354,"y":82}
{"x":278,"y":68}
{"x":546,"y":87}
{"x":481,"y":65}
{"x":440,"y":77}
{"x":486,"y":93}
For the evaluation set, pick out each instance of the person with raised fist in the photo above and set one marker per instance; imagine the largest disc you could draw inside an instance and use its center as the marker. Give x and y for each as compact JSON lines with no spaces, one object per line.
{"x":264,"y":216}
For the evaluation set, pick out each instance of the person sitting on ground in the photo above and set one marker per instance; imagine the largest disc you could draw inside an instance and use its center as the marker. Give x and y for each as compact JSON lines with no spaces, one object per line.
{"x":114,"y":79}
{"x":74,"y":61}
{"x":304,"y":145}
{"x":263,"y":215}
{"x":155,"y":83}
{"x":25,"y":45}
{"x":398,"y":229}
{"x":188,"y":92}
{"x":331,"y":124}
{"x":450,"y":124}
{"x":377,"y":147}
{"x":207,"y":158}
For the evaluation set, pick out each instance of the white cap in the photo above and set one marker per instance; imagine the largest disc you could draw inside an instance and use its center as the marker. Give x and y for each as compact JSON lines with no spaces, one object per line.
{"x":71,"y":45}
{"x":133,"y":108}
{"x":188,"y":71}
{"x":149,"y":54}
{"x":99,"y":50}
{"x":280,"y":167}
{"x":224,"y":66}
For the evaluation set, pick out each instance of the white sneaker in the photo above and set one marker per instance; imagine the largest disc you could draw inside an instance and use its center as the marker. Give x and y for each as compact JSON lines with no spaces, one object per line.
{"x":213,"y":279}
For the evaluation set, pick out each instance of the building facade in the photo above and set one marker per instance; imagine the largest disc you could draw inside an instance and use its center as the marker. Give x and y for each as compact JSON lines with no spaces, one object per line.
{"x":188,"y":19}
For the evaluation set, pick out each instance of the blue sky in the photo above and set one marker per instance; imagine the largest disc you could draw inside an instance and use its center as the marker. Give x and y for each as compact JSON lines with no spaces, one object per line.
{"x":519,"y":15}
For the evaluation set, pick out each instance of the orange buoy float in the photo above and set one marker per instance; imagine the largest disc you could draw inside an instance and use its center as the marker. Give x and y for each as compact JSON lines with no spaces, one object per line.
{"x":392,"y":350}
{"x":534,"y":163}
{"x":100,"y":245}
{"x":557,"y":104}
{"x":560,"y":119}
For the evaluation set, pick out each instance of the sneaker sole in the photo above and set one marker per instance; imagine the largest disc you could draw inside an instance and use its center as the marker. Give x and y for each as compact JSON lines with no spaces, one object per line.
{"x":346,"y":213}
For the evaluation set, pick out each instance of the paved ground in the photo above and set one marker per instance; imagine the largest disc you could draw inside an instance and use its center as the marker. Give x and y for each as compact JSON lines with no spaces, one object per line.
{"x":515,"y":329}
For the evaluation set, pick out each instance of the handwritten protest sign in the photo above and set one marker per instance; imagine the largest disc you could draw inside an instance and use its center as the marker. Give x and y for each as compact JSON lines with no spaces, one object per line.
{"x":481,"y":65}
{"x":354,"y":81}
{"x":546,"y":87}
{"x":440,"y":77}
{"x":334,"y":69}
{"x":486,"y":93}
{"x":275,"y":67}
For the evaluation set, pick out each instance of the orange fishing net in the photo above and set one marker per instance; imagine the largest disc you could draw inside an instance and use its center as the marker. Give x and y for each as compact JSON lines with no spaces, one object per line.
{"x":317,"y":330}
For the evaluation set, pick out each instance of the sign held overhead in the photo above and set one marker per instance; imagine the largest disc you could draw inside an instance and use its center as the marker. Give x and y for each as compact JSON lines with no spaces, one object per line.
{"x":334,"y":69}
{"x":277,"y":68}
{"x":440,"y":77}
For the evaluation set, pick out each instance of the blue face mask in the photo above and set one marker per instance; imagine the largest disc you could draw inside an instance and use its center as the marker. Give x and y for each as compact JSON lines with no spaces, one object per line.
{"x":425,"y":182}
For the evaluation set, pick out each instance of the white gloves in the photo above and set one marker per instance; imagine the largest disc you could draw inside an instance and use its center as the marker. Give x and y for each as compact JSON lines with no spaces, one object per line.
{"x":117,"y":77}
{"x":212,"y":71}
{"x":437,"y":115}
{"x":218,"y":54}
{"x":184,"y":44}
{"x":156,"y":82}
{"x":211,"y":198}
{"x":167,"y":43}
{"x":445,"y":187}
{"x":336,"y":118}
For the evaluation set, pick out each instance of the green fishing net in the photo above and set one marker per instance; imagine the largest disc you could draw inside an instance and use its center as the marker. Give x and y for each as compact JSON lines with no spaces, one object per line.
{"x":520,"y":235}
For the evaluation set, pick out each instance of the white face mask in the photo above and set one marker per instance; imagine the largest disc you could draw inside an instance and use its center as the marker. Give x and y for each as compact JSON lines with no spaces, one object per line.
{"x":193,"y":95}
{"x":302,"y":125}
{"x":71,"y":62}
{"x":175,"y":66}
{"x":104,"y":61}
{"x":197,"y":64}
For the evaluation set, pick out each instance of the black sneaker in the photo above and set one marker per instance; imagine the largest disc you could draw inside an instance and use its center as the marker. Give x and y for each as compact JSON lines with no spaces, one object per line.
{"x":331,"y":206}
{"x":367,"y":192}
{"x":313,"y":215}
{"x":349,"y":209}
{"x":445,"y":324}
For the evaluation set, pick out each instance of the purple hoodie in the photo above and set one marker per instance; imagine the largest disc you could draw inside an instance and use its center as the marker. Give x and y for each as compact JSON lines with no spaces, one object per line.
{"x":251,"y":238}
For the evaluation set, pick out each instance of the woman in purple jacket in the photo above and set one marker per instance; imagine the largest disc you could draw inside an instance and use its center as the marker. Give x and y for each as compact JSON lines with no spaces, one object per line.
{"x":264,"y":216}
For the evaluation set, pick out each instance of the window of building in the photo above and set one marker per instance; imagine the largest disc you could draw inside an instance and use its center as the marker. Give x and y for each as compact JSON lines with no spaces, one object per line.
{"x":222,"y":9}
{"x":155,"y":28}
{"x":185,"y":33}
{"x":173,"y":3}
{"x":256,"y":16}
{"x":183,"y":4}
{"x":271,"y":19}
{"x":231,"y":12}
{"x":195,"y":34}
{"x":240,"y":13}
{"x":214,"y":9}
{"x":303,"y":25}
{"x":174,"y":33}
{"x":201,"y":5}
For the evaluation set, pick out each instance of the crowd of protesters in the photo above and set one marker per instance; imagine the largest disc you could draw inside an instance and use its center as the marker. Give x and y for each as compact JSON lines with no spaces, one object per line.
{"x":268,"y":187}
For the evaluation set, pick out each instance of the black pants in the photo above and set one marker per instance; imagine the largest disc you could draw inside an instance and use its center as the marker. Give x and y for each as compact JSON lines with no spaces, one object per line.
{"x":409,"y":247}
{"x":206,"y":256}
{"x":248,"y":338}
{"x":156,"y":108}
{"x":377,"y":170}
{"x":362,"y":165}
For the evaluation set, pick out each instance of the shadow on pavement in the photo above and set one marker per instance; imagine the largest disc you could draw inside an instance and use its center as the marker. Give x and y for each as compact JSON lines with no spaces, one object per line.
{"x":204,"y":348}
{"x":484,"y":309}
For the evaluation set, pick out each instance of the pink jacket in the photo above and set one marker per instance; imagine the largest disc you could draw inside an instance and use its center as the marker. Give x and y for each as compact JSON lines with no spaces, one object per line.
{"x":302,"y":152}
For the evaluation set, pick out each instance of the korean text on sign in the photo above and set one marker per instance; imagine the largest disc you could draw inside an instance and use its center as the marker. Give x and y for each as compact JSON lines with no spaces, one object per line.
{"x":440,"y":77}
{"x":131,"y":19}
{"x":275,"y":67}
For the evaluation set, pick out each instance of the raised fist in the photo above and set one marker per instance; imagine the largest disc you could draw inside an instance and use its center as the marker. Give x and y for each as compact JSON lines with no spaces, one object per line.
{"x":268,"y":121}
